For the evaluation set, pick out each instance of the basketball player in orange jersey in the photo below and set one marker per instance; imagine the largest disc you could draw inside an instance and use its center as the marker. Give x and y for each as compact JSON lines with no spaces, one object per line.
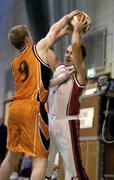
{"x":27,"y":121}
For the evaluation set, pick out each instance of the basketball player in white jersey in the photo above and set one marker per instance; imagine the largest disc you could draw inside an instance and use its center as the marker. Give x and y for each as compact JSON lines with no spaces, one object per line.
{"x":66,"y":86}
{"x":28,"y":131}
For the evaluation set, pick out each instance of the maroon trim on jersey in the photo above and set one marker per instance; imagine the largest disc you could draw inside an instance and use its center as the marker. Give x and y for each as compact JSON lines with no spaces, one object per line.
{"x":74,"y":142}
{"x":74,"y":126}
{"x":74,"y":105}
{"x":80,"y":85}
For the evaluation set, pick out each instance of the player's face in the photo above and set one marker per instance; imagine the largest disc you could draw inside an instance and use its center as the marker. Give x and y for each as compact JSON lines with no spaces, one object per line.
{"x":68,"y":57}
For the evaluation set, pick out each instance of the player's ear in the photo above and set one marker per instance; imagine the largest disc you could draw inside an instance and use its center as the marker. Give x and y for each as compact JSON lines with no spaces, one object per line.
{"x":26,"y":39}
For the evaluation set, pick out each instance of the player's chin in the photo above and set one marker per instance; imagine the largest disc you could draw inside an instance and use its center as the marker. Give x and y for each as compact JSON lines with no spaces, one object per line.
{"x":67,"y":63}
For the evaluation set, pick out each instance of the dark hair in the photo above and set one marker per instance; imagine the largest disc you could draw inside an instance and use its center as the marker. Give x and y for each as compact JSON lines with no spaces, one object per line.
{"x":83,"y":51}
{"x":17,"y":36}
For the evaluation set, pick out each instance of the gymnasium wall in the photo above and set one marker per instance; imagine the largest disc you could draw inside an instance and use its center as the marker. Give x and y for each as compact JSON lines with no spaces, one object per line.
{"x":19,"y":12}
{"x":11,"y":13}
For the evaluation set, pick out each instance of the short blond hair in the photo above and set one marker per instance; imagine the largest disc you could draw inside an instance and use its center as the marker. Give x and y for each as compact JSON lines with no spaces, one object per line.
{"x":17,"y":36}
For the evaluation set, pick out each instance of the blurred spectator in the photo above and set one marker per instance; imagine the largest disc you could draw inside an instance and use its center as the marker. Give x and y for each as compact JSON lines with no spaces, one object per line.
{"x":3,"y":139}
{"x":26,"y":167}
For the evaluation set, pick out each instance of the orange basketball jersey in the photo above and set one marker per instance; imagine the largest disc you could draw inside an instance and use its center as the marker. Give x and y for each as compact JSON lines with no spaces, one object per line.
{"x":26,"y":70}
{"x":28,"y":121}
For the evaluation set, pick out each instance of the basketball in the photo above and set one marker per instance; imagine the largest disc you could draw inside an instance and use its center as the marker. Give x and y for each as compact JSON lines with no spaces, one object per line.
{"x":77,"y":18}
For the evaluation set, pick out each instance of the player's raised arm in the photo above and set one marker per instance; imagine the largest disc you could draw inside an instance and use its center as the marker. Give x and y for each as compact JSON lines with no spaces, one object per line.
{"x":77,"y":50}
{"x":55,"y":29}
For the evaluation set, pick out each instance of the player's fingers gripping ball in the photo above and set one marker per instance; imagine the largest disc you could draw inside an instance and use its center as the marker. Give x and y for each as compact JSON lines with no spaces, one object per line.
{"x":78,"y":17}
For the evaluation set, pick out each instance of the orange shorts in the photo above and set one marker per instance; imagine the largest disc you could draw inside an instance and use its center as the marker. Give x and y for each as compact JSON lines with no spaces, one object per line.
{"x":27,"y":132}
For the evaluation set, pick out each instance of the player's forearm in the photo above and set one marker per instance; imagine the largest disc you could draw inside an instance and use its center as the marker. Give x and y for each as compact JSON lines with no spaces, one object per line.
{"x":60,"y":35}
{"x":57,"y":30}
{"x":51,"y":37}
{"x":76,"y":47}
{"x":65,"y":31}
{"x":78,"y":57}
{"x":59,"y":26}
{"x":76,"y":39}
{"x":58,"y":80}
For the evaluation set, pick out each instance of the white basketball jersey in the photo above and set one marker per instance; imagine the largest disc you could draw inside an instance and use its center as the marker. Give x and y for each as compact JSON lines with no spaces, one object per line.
{"x":59,"y":96}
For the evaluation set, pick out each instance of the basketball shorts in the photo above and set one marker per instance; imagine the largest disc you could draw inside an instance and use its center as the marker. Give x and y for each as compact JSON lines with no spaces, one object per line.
{"x":27,"y":131}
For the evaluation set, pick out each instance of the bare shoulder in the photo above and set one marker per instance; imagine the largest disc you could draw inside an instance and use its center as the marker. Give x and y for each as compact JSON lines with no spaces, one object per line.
{"x":41,"y":50}
{"x":47,"y":55}
{"x":40,"y":46}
